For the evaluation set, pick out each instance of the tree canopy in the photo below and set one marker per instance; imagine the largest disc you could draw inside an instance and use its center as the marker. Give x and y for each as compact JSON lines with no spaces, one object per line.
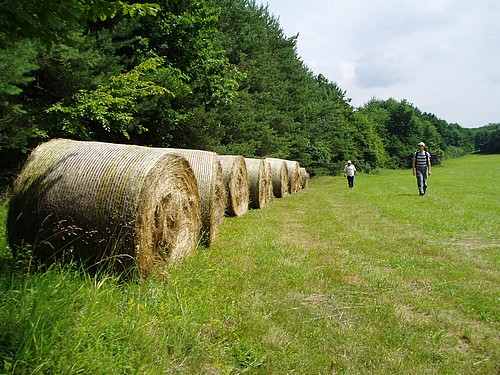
{"x":215,"y":75}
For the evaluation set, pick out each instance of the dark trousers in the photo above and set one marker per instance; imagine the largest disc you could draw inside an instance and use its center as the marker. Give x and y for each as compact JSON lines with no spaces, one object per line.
{"x":421,"y":173}
{"x":350,"y":181}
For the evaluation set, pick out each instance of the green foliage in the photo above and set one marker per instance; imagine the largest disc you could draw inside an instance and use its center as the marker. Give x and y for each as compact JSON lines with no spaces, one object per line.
{"x":282,"y":109}
{"x":370,"y":143}
{"x":487,"y":139}
{"x":50,"y":22}
{"x":400,"y":127}
{"x":17,"y":64}
{"x":34,"y":78}
{"x":111,"y":106}
{"x":184,"y":34}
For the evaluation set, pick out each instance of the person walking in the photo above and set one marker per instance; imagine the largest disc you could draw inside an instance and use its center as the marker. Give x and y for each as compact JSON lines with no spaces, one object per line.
{"x":350,"y":172}
{"x":421,"y":164}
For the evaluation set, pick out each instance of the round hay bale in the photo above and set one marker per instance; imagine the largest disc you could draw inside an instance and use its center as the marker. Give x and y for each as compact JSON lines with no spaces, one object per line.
{"x":293,"y":176}
{"x":103,"y":203}
{"x":268,"y":177}
{"x":257,"y":185}
{"x":235,"y":173}
{"x":304,"y":178}
{"x":210,"y":177}
{"x":279,"y":174}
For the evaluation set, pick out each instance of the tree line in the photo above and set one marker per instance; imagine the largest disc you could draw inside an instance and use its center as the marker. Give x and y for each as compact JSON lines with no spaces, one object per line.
{"x":217,"y":75}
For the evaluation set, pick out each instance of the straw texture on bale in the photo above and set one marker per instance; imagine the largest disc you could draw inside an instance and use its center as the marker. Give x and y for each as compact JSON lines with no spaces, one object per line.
{"x":293,"y":176}
{"x":304,"y":178}
{"x":236,"y":182}
{"x":268,"y":177}
{"x":279,"y":174}
{"x":102,"y":202}
{"x":256,"y":182}
{"x":209,"y":175}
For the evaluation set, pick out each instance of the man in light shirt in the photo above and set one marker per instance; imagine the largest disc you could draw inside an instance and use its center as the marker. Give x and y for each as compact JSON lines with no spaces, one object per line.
{"x":350,"y":172}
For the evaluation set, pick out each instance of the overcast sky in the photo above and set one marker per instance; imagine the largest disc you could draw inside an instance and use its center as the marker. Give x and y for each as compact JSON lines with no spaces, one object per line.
{"x":443,"y":56}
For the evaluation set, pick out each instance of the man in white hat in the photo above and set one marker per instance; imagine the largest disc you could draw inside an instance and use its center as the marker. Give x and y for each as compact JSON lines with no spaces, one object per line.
{"x":421,"y":163}
{"x":350,"y":172}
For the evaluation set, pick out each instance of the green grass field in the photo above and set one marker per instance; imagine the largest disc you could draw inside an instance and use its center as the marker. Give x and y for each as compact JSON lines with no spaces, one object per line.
{"x":375,"y":280}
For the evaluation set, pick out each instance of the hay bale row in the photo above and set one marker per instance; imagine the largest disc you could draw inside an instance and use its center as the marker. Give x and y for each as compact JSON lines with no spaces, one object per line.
{"x":286,"y":177}
{"x":133,"y":205}
{"x":273,"y":177}
{"x":100,"y":202}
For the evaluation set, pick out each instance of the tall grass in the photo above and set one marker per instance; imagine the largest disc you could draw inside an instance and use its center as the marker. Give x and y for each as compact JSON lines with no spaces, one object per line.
{"x":328,"y":280}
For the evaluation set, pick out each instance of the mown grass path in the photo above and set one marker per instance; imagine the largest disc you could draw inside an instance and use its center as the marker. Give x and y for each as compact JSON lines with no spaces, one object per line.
{"x":328,"y":280}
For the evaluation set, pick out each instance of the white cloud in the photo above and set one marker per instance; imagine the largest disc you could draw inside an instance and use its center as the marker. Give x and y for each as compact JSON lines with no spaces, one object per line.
{"x":378,"y":70}
{"x":441,"y":55}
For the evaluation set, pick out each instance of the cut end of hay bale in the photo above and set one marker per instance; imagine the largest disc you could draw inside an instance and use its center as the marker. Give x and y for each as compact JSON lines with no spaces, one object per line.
{"x":219,"y":203}
{"x":236,"y":183}
{"x":293,"y":176}
{"x":257,"y":184}
{"x":171,"y":215}
{"x":268,"y":178}
{"x":304,"y":178}
{"x":279,"y":173}
{"x":210,"y":178}
{"x":101,"y":203}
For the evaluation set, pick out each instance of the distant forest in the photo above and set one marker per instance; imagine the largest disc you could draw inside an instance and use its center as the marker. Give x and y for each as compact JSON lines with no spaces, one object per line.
{"x":217,"y":75}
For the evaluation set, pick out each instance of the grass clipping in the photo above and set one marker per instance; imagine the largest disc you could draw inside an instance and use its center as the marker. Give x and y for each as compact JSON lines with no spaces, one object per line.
{"x":236,"y":182}
{"x":279,"y":174}
{"x":209,"y":175}
{"x":100,"y":202}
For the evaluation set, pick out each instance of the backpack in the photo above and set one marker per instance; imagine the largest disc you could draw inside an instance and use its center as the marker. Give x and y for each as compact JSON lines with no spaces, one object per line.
{"x":427,"y":156}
